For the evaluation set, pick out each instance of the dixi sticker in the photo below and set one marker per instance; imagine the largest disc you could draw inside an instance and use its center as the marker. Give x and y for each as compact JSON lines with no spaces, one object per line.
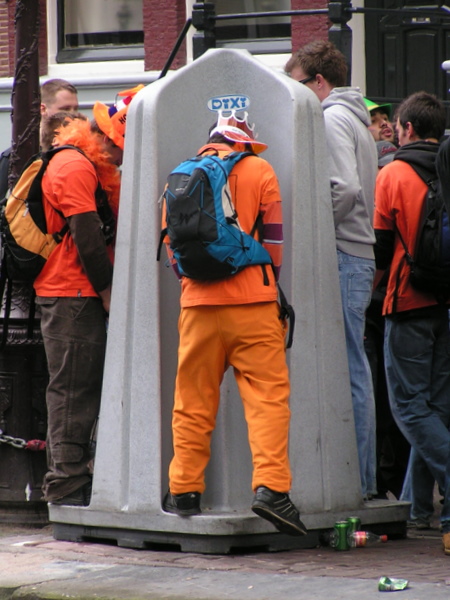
{"x":229,"y":102}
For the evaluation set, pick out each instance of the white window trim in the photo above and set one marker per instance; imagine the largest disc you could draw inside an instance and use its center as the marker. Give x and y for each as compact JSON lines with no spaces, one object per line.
{"x":74,"y":71}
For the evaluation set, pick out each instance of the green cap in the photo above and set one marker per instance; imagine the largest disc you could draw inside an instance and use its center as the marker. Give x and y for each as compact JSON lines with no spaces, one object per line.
{"x":387,"y":108}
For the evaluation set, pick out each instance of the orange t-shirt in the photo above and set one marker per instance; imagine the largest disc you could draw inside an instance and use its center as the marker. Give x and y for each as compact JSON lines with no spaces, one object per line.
{"x":69,"y":185}
{"x":254,"y":188}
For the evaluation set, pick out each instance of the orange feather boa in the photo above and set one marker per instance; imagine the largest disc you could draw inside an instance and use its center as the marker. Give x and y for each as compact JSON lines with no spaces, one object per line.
{"x":78,"y":133}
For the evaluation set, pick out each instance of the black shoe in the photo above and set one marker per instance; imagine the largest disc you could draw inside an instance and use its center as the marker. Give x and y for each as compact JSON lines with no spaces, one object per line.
{"x":278,"y":508}
{"x":183,"y":505}
{"x":80,"y":497}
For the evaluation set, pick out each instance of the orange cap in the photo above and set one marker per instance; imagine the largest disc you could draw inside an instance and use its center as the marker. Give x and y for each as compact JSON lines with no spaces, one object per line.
{"x":112,"y":119}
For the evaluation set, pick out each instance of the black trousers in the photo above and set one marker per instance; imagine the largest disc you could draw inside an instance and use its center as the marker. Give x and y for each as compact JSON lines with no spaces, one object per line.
{"x":74,"y":334}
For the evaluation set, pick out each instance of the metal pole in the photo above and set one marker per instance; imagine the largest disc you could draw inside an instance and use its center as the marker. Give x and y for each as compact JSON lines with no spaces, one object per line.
{"x":204,"y":20}
{"x":339,"y":13}
{"x":23,"y":370}
{"x":26,"y":96}
{"x":175,"y":49}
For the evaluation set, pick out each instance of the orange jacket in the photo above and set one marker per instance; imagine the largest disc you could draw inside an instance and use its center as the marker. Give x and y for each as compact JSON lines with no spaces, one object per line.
{"x":399,"y":193}
{"x":254,"y":188}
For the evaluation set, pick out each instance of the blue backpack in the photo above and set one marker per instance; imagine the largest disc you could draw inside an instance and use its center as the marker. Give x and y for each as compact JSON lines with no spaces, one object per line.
{"x":202,"y":223}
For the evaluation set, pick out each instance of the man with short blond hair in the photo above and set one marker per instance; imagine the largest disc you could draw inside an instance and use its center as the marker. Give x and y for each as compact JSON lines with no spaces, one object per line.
{"x":57,"y":95}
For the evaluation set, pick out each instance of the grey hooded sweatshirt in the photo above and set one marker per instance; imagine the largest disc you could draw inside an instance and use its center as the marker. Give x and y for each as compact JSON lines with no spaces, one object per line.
{"x":353,"y":169}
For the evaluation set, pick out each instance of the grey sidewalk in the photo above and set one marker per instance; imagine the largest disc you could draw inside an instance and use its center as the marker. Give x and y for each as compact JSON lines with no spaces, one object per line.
{"x":34,"y":566}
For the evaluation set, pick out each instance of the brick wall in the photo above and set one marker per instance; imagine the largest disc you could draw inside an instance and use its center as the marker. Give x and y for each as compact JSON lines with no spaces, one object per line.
{"x":309,"y":28}
{"x":43,"y":53}
{"x":163,"y":22}
{"x":7,"y":38}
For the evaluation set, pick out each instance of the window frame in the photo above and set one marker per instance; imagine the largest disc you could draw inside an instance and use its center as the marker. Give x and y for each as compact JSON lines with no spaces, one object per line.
{"x":255,"y":45}
{"x":97,"y":53}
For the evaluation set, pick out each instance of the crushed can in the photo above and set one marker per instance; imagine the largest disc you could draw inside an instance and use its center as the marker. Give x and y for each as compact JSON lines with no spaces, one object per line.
{"x":390,"y":584}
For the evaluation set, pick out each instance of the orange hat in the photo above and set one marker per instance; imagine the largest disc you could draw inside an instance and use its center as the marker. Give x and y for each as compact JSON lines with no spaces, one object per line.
{"x":112,"y":119}
{"x":236,"y":130}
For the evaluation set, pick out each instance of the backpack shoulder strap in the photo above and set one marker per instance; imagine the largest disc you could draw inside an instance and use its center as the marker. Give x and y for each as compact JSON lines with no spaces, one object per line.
{"x":55,"y":149}
{"x":287,"y":313}
{"x":46,"y":158}
{"x":228,"y":161}
{"x":5,"y":301}
{"x":231,"y":159}
{"x":423,"y":173}
{"x":432,"y":181}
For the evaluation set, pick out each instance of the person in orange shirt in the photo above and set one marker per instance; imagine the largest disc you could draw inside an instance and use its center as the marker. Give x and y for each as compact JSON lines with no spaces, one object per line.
{"x":416,"y":338}
{"x":236,"y":322}
{"x":73,"y":291}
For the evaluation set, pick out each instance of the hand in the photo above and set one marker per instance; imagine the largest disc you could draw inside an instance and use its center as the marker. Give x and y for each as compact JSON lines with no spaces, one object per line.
{"x":105,"y":297}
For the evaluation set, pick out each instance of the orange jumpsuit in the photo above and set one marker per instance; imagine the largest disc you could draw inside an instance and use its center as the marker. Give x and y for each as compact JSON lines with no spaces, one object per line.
{"x":235,"y":322}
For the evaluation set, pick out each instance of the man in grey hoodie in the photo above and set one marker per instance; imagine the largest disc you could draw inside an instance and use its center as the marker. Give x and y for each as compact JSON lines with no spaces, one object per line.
{"x":352,"y":168}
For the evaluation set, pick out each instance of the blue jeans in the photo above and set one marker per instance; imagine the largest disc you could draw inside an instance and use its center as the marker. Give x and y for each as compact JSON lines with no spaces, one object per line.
{"x":419,"y":479}
{"x":445,"y":514}
{"x":417,"y":359}
{"x":356,"y":280}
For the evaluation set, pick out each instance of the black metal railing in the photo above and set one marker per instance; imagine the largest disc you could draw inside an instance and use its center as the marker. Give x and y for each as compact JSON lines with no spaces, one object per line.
{"x":339,"y":13}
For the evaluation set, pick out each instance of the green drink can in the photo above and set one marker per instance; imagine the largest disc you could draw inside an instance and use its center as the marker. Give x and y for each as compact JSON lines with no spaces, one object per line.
{"x":389,"y":584}
{"x":354,"y":524}
{"x":340,"y":536}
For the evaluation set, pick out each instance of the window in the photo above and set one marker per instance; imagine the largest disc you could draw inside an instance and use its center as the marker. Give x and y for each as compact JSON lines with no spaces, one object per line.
{"x":262,"y":35}
{"x":100,"y":30}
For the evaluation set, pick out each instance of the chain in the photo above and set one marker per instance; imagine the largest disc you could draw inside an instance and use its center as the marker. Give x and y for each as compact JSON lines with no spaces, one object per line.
{"x":20,"y":443}
{"x":12,"y":441}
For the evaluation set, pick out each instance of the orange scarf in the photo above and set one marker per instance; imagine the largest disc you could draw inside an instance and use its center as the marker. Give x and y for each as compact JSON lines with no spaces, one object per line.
{"x":78,"y":133}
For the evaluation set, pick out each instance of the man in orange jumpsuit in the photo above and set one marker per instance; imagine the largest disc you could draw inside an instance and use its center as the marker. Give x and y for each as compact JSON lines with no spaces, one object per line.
{"x":236,"y":322}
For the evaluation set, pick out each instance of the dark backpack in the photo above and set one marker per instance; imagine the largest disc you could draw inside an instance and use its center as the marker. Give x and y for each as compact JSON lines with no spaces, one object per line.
{"x":202,"y":223}
{"x":430,"y":262}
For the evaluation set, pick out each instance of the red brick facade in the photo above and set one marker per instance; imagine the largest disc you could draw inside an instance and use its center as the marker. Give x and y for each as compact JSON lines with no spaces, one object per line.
{"x":43,"y":51}
{"x":163,"y":22}
{"x":306,"y":29}
{"x":8,"y":37}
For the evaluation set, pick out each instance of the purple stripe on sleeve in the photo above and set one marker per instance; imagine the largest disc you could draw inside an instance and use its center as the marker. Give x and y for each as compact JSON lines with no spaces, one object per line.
{"x":273,"y":232}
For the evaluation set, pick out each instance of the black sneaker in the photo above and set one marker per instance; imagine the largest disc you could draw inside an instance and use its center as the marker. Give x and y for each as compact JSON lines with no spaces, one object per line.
{"x":80,"y":497}
{"x":278,"y":508}
{"x":183,"y":505}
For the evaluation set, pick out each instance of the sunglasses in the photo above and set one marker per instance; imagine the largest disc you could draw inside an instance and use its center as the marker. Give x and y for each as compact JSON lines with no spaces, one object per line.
{"x":307,"y":79}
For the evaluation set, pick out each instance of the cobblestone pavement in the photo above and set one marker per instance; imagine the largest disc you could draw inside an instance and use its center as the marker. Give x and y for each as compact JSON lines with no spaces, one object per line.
{"x":418,"y":558}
